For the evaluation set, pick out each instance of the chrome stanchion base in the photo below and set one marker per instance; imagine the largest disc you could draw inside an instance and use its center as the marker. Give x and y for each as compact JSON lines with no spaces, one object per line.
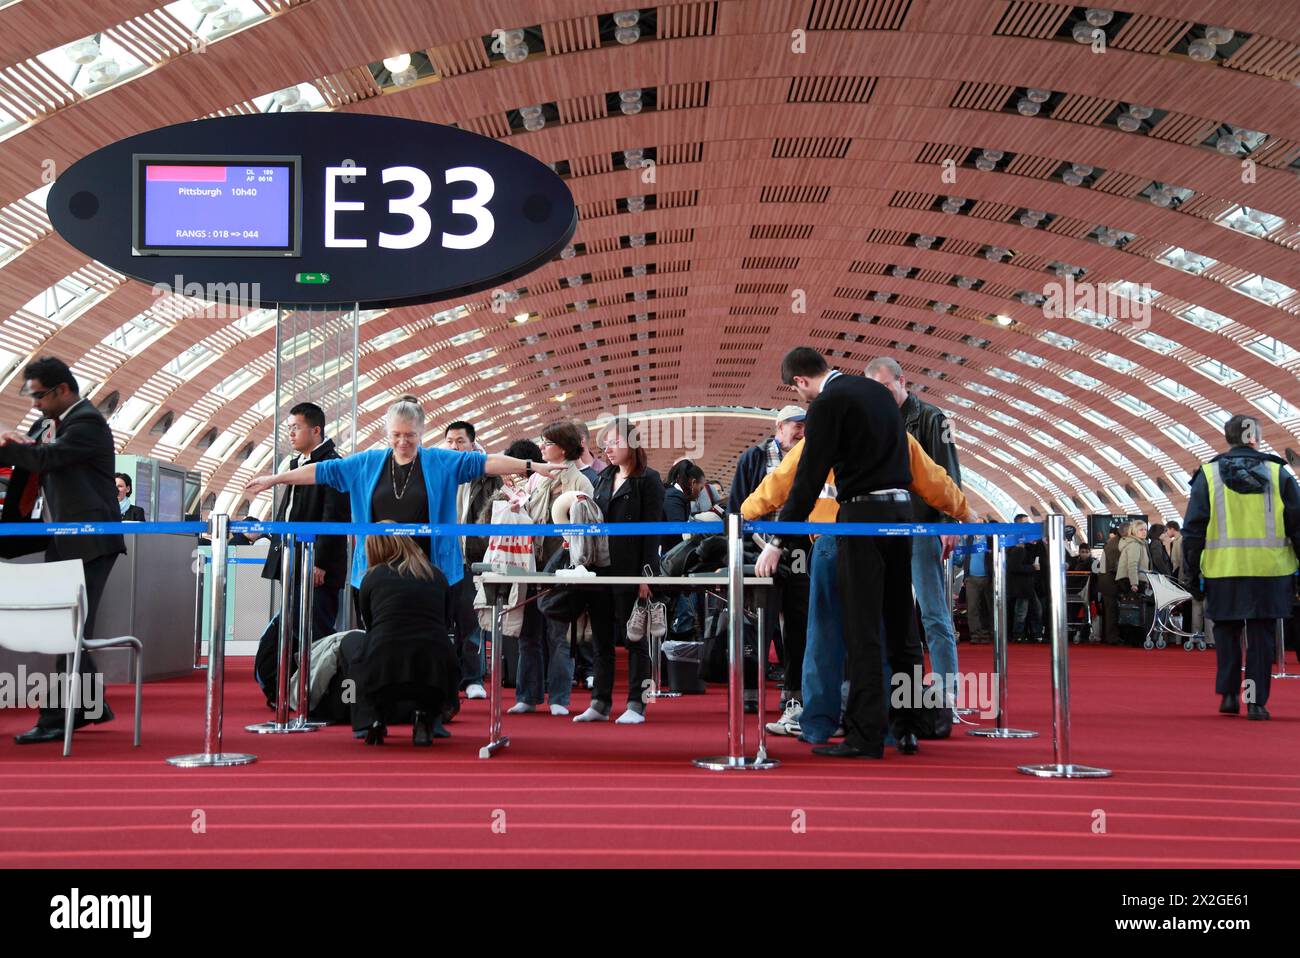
{"x":272,"y":728}
{"x":665,"y":695}
{"x":1286,"y":675}
{"x":1001,"y":733}
{"x":724,"y":763}
{"x":967,"y":711}
{"x":205,"y":760}
{"x":487,"y":750}
{"x":308,"y":724}
{"x":1065,"y":771}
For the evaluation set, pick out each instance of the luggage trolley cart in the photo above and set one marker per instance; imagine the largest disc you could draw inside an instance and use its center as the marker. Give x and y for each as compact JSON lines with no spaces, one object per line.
{"x":1078,"y":605}
{"x":1167,"y":595}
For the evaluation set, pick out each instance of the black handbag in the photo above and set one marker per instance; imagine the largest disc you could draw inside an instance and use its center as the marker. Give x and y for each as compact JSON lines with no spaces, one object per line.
{"x":563,"y":604}
{"x":1129,"y":610}
{"x":697,"y":554}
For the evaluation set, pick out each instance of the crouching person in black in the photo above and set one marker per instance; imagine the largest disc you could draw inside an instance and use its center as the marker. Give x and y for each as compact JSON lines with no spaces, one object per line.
{"x":403,"y":666}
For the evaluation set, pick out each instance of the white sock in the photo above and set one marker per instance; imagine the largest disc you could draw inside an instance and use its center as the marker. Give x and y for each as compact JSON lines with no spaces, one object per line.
{"x":591,"y":715}
{"x":520,"y":707}
{"x":630,"y":717}
{"x":559,"y":710}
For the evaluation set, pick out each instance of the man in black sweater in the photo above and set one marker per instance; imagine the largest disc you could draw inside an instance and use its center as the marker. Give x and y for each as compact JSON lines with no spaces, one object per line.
{"x":67,"y":461}
{"x":855,"y":428}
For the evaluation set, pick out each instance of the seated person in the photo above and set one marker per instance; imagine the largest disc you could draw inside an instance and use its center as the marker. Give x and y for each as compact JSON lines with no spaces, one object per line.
{"x":404,"y":665}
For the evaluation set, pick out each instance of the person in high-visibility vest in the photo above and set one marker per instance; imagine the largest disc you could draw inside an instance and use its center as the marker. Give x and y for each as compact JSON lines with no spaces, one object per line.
{"x":1241,"y":537}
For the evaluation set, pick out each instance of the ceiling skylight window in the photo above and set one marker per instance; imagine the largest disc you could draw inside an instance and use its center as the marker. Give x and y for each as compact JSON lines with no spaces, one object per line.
{"x":1156,"y":343}
{"x":1021,"y":447}
{"x":1045,"y":438}
{"x":1133,"y":404}
{"x":984,"y":428}
{"x":960,"y":401}
{"x":1111,"y":454}
{"x":1264,"y":289}
{"x":481,"y":355}
{"x":1217,"y":371}
{"x":1216,"y":417}
{"x":1059,"y":471}
{"x":1028,"y":407}
{"x":1100,"y":419}
{"x":1035,"y":475}
{"x":468,"y":336}
{"x":1274,"y":350}
{"x":1002,"y":374}
{"x":1142,"y":446}
{"x":302,"y":98}
{"x":445,"y":316}
{"x":1081,"y":379}
{"x":131,"y":414}
{"x":443,"y":391}
{"x":981,"y":389}
{"x":1183,"y":436}
{"x":237,"y":382}
{"x":1171,"y":387}
{"x":1205,"y":318}
{"x":1047,"y":392}
{"x":1138,"y":292}
{"x":1253,"y":222}
{"x":1003,"y":418}
{"x":1084,"y":463}
{"x":428,"y":376}
{"x":256,"y":321}
{"x":191,"y":361}
{"x":1029,"y":359}
{"x":1187,"y":261}
{"x":1275,"y":406}
{"x":1092,"y":318}
{"x":384,"y":340}
{"x":1117,"y":363}
{"x":135,"y":334}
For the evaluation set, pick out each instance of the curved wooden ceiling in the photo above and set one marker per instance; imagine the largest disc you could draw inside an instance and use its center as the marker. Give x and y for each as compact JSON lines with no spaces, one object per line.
{"x":803,"y":153}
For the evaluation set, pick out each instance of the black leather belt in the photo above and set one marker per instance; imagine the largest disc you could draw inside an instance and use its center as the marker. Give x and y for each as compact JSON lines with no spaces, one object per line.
{"x":880,"y":497}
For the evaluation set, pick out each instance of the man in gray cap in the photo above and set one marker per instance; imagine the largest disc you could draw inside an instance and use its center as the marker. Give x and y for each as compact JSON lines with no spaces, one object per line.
{"x":790,"y":599}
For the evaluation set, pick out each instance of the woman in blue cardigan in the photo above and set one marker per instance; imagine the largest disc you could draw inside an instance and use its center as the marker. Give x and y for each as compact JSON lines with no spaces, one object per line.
{"x":405,"y":483}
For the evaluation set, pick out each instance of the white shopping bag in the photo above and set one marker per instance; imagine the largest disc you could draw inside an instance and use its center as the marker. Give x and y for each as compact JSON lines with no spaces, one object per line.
{"x":514,"y":551}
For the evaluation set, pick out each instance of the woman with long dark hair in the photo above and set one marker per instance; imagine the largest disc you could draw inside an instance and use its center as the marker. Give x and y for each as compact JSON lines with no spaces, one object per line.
{"x":628,"y":491}
{"x":403,"y":664}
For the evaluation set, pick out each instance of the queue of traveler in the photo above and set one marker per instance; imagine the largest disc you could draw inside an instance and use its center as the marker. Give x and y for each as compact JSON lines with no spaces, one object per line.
{"x":860,"y":449}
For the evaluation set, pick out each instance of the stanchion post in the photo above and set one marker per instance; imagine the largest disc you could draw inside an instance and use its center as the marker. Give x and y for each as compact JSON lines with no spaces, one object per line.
{"x":1061,"y":766}
{"x":198,"y":609}
{"x":212,"y":754}
{"x":495,"y":739}
{"x":1281,"y":672}
{"x":735,"y":757}
{"x":997,"y":557}
{"x":281,"y":725}
{"x":306,"y":623}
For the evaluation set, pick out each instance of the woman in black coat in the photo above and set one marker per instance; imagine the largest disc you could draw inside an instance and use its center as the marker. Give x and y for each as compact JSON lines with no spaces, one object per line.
{"x":403,"y":665}
{"x":627,"y":491}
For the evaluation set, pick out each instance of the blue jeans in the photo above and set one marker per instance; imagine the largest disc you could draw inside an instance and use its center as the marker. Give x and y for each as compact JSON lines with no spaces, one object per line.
{"x":472,"y":659}
{"x":683,"y":614}
{"x":823,"y":662}
{"x":559,"y":668}
{"x":936,"y":617}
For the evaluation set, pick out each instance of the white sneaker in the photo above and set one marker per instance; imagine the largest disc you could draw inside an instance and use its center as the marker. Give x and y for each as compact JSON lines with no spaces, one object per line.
{"x":636,"y":622}
{"x":630,"y":717}
{"x":838,"y":733}
{"x":559,"y":710}
{"x":591,"y":715}
{"x":591,"y":681}
{"x":658,"y":621}
{"x":788,"y":723}
{"x":520,"y":708}
{"x":476,"y":691}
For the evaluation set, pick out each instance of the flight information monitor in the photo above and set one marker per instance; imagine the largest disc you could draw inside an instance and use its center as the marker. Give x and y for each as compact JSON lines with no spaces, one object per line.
{"x":217,"y":206}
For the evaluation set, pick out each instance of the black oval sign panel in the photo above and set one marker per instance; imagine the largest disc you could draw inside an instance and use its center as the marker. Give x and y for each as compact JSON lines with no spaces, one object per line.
{"x":314,"y":209}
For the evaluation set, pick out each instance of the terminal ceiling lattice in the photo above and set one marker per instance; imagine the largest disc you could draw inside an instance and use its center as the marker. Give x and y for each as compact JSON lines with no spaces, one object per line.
{"x":909,"y":178}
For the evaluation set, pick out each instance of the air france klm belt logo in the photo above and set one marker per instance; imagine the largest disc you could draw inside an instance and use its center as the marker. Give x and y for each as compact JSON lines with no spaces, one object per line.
{"x":77,"y":911}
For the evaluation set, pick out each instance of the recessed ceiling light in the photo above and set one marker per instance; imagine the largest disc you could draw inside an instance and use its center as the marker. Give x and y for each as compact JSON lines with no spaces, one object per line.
{"x":1004,"y":320}
{"x":398,"y":63}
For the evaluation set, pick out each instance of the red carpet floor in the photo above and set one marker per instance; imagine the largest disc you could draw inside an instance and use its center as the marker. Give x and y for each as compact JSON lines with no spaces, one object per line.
{"x":1191,"y":788}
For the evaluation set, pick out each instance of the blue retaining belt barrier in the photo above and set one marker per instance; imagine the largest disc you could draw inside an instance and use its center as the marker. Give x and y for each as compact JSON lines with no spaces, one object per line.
{"x":1021,"y":532}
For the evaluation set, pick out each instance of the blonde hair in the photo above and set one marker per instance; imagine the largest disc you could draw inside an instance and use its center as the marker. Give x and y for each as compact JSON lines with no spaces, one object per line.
{"x":410,"y":411}
{"x":399,"y":552}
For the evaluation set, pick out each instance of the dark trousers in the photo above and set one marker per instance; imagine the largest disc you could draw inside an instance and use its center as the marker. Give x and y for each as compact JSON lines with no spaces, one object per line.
{"x":97,"y":571}
{"x":464,"y":620}
{"x":875,"y":581}
{"x":979,"y":607}
{"x":1109,"y":608}
{"x":266,"y":662}
{"x":609,"y":609}
{"x":1260,"y":653}
{"x":791,"y":601}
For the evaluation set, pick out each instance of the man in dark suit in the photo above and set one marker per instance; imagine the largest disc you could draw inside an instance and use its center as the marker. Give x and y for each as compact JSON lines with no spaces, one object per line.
{"x":306,"y":504}
{"x":67,"y":459}
{"x":130,"y":513}
{"x":855,"y":428}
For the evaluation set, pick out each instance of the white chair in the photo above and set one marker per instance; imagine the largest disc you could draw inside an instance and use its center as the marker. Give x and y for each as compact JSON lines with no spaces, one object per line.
{"x":1167,"y":595}
{"x":43,"y":609}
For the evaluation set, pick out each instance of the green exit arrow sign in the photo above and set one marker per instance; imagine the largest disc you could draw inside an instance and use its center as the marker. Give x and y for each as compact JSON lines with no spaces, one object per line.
{"x":313,"y":279}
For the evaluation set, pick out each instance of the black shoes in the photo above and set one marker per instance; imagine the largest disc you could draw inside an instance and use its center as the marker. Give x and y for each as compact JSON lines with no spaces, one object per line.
{"x":845,"y":750}
{"x":375,"y":734}
{"x":908,"y":745}
{"x":40,"y":733}
{"x":1257,"y":713}
{"x":1231,"y":704}
{"x":421,"y":730}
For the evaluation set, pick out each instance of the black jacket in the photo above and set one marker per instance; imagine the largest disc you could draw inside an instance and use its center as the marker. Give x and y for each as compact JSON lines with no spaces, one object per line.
{"x":855,"y":428}
{"x":316,"y":504}
{"x":1240,"y":597}
{"x":676,"y":509}
{"x":928,"y":426}
{"x":639,"y":499}
{"x":76,"y":474}
{"x":751,"y":470}
{"x":133,"y":514}
{"x":481,"y":491}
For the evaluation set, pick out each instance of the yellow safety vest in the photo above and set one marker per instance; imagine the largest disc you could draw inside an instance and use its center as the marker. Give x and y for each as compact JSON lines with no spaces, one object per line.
{"x":1246,"y":535}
